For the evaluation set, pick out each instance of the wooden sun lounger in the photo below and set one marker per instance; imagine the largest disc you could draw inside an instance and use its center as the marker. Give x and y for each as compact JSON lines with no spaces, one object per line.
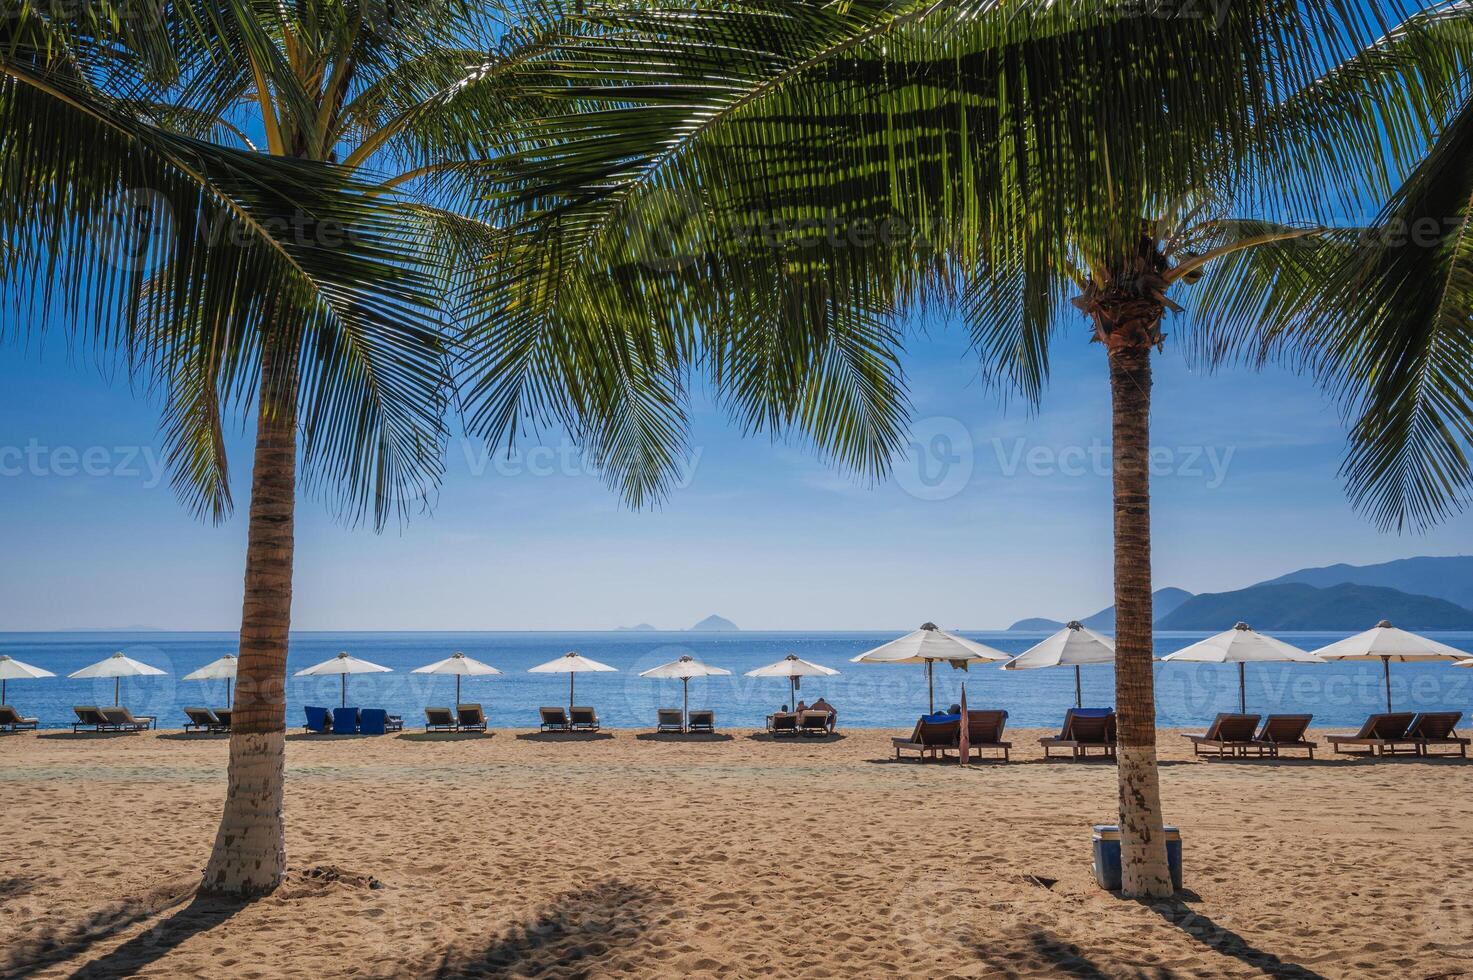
{"x":1229,"y":735}
{"x":11,"y":720}
{"x":223,"y":715}
{"x":203,"y":720}
{"x":930,"y":738}
{"x":89,"y":716}
{"x":1438,"y":728}
{"x":1382,"y":734}
{"x":1082,"y":732}
{"x":815,"y":723}
{"x":703,"y":721}
{"x":1282,"y":732}
{"x":669,"y":720}
{"x":554,"y":719}
{"x":583,"y":719}
{"x":984,"y":733}
{"x":120,"y":719}
{"x":782,"y":724}
{"x":440,"y":720}
{"x":470,"y":717}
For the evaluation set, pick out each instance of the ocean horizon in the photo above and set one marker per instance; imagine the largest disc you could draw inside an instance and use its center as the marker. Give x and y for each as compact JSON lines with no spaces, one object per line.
{"x":865,"y":695}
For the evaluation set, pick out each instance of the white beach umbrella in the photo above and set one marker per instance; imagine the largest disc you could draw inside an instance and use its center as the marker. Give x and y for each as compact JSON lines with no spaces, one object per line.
{"x":928,"y":645}
{"x":685,"y":668}
{"x":572,"y":664}
{"x":217,"y":670}
{"x":117,"y":667}
{"x":461,"y":666}
{"x":1386,"y":643}
{"x":14,"y":670}
{"x":1071,"y":646}
{"x":344,"y":665}
{"x":792,"y":667}
{"x":1242,"y":645}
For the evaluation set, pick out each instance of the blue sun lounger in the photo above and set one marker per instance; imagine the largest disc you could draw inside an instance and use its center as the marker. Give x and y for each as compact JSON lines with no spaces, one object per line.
{"x":319,"y":720}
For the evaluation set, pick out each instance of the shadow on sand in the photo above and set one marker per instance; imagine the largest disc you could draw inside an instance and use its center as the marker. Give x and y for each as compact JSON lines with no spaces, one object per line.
{"x":564,"y":736}
{"x":686,"y":737}
{"x":572,"y":936}
{"x":1224,"y":941}
{"x":68,"y":939}
{"x":797,"y":739}
{"x":194,"y":736}
{"x":442,"y":736}
{"x":85,"y":736}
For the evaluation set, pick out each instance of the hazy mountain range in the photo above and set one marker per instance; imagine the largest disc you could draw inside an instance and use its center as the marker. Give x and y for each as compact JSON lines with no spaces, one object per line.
{"x":1429,"y":593}
{"x":711,"y":624}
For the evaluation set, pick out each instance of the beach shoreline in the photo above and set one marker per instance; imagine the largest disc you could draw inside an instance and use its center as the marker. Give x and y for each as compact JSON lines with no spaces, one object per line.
{"x":629,"y":854}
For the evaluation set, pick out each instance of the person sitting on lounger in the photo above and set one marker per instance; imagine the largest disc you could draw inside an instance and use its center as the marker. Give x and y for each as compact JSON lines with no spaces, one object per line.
{"x":822,"y":705}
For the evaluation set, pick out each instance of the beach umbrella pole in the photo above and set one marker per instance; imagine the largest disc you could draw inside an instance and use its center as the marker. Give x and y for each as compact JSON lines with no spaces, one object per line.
{"x":931,"y":683}
{"x":571,"y":675}
{"x":685,"y":702}
{"x":457,"y":692}
{"x":228,"y":702}
{"x":1078,"y":689}
{"x":118,"y":680}
{"x":1386,"y":668}
{"x":344,"y":679}
{"x":2,"y":693}
{"x":793,"y":692}
{"x":1242,"y":689}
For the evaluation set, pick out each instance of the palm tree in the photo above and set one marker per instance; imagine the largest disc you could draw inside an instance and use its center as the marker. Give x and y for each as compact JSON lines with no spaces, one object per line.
{"x":797,"y":173}
{"x":270,"y":264}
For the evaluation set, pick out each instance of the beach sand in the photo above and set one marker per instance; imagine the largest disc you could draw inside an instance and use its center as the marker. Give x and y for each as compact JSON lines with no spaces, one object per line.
{"x":628,"y":855}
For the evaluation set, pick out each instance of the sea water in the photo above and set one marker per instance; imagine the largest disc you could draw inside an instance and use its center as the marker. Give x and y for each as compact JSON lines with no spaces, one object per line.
{"x":866,"y":695}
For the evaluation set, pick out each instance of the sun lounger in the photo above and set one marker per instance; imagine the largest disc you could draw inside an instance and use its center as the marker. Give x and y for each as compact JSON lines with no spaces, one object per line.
{"x":554,"y":719}
{"x":781,"y":724}
{"x":1084,"y":729}
{"x":89,"y":716}
{"x":669,"y":720}
{"x":1438,"y":728}
{"x":984,"y":733}
{"x":345,"y":721}
{"x":470,"y":717}
{"x":702,"y":721}
{"x":1228,"y":735}
{"x":583,"y":719}
{"x":814,"y":723}
{"x":11,"y":720}
{"x":440,"y":720}
{"x":319,"y":720}
{"x":1383,"y":734}
{"x":203,"y":720}
{"x":120,"y":719}
{"x":1282,"y":732}
{"x":373,"y":721}
{"x":932,"y":736}
{"x":223,"y":715}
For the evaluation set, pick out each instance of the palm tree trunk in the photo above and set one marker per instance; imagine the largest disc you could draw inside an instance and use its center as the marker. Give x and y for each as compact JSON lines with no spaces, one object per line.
{"x":250,"y":852}
{"x":1142,"y":842}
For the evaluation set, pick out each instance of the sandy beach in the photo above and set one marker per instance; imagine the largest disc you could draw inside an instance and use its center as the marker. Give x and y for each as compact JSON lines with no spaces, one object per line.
{"x":630,"y":855}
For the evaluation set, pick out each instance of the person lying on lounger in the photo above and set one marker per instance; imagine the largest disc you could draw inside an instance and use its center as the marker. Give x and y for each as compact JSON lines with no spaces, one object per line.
{"x":822,"y":705}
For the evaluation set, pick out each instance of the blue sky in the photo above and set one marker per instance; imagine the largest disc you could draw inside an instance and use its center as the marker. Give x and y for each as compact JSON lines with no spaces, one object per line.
{"x":1000,"y":514}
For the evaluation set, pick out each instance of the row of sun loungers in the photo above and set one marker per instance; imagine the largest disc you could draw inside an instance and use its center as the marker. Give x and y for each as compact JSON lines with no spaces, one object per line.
{"x":1399,"y":733}
{"x":114,"y":719}
{"x":207,"y":720}
{"x":351,"y":721}
{"x":669,"y":721}
{"x":782,"y":724}
{"x":579,"y":718}
{"x":936,"y":735}
{"x":465,"y":718}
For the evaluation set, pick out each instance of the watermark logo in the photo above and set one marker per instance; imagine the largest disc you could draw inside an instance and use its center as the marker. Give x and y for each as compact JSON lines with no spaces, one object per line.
{"x":939,"y":459}
{"x":133,"y":230}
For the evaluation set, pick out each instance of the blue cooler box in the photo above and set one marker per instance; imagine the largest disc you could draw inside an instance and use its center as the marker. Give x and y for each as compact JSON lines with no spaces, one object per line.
{"x":1107,"y":855}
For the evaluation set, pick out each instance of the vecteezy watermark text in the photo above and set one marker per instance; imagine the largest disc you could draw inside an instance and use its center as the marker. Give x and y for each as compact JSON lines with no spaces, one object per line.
{"x":1207,"y":463}
{"x":36,"y":459}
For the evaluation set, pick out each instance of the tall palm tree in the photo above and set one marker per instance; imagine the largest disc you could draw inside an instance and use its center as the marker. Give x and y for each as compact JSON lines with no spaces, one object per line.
{"x":218,"y":191}
{"x":766,"y":181}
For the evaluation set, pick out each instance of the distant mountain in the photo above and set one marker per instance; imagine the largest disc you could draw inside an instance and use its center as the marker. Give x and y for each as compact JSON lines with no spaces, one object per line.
{"x":1037,"y":624}
{"x":1163,"y":602}
{"x":639,"y":628}
{"x":1449,"y":578}
{"x":715,"y":624}
{"x":1295,"y":606}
